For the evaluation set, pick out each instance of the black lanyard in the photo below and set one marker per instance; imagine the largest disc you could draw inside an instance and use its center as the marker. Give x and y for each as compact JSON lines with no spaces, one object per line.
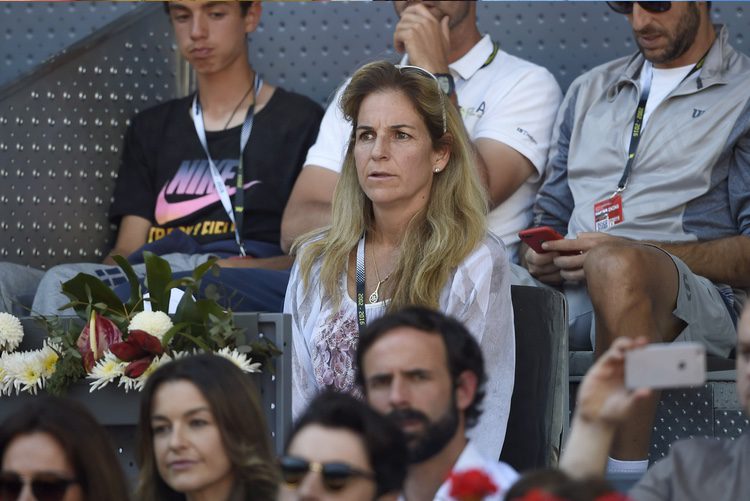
{"x":236,"y":214}
{"x":635,"y":136}
{"x":361,"y":314}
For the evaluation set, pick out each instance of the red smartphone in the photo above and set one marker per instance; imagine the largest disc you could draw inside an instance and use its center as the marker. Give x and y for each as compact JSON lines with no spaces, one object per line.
{"x":535,"y":237}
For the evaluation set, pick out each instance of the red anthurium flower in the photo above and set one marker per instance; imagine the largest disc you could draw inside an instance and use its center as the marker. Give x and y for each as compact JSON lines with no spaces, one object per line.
{"x":137,"y":367}
{"x":96,"y":337}
{"x":138,"y":345}
{"x":139,"y":349}
{"x":471,"y":485}
{"x":149,"y":343}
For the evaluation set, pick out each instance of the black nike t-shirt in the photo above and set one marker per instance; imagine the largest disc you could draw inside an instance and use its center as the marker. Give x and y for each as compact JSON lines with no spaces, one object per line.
{"x":165,"y":176}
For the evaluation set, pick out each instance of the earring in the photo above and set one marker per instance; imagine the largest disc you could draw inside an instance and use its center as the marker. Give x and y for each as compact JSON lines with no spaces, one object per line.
{"x":437,"y":170}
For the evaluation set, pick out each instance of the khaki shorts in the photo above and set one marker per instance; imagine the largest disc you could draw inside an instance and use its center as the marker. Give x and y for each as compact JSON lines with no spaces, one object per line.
{"x":699,"y":304}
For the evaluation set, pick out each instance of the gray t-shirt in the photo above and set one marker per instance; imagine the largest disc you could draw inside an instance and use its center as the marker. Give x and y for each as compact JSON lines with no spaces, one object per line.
{"x":699,"y":469}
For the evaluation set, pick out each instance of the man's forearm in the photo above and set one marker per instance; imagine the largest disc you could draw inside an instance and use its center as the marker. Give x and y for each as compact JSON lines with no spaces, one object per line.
{"x":303,"y":219}
{"x":725,"y":260}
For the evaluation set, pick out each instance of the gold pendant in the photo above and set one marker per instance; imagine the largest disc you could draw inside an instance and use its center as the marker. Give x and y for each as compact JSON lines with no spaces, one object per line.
{"x":375,"y":296}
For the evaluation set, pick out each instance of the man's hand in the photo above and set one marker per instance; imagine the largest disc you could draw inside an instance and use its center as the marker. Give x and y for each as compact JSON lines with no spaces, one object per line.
{"x":564,"y":258}
{"x":602,"y":397}
{"x":425,"y":39}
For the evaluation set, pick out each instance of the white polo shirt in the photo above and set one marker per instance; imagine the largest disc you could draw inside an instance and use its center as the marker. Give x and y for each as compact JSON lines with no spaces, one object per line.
{"x":510,"y":100}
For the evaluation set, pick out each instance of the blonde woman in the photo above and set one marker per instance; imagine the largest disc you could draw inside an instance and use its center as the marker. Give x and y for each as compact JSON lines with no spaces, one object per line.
{"x":408,"y":228}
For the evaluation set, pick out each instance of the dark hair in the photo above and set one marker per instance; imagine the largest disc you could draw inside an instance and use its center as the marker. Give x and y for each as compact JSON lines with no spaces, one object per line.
{"x":558,"y":484}
{"x":463,"y":351}
{"x":383,"y":440}
{"x":236,"y":407}
{"x":244,"y":5}
{"x":87,"y":445}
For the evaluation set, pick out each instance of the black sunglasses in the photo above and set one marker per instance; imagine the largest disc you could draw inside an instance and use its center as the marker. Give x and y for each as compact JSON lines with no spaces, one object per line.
{"x":335,"y":475}
{"x":46,"y":487}
{"x":627,"y":7}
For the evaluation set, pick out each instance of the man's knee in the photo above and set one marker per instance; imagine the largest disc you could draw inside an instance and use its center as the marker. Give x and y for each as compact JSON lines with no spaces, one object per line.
{"x":612,"y":268}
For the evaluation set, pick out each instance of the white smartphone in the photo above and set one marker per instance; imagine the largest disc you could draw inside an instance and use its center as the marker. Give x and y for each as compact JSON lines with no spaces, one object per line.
{"x":666,"y":365}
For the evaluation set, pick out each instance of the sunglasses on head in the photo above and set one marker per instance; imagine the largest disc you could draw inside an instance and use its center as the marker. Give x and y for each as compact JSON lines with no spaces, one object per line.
{"x":46,"y":487}
{"x":403,"y":69}
{"x":627,"y":7}
{"x":335,"y":475}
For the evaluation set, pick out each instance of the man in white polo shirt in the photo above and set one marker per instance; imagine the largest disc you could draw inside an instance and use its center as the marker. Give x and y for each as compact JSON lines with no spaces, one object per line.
{"x":508,"y":106}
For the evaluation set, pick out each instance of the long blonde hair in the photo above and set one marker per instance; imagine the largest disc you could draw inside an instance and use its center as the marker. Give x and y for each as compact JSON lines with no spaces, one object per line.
{"x":439,"y":237}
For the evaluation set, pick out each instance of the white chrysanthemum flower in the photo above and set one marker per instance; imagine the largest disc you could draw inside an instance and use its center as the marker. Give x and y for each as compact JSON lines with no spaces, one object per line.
{"x":126,"y":383}
{"x":106,"y":370}
{"x":29,"y":372}
{"x":12,"y":366}
{"x":241,"y":360}
{"x":156,"y":323}
{"x":11,"y":332}
{"x":6,"y":380}
{"x":157,"y":362}
{"x":48,"y":358}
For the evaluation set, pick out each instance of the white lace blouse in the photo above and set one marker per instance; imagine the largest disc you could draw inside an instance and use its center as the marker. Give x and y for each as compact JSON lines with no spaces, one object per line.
{"x":324,"y":339}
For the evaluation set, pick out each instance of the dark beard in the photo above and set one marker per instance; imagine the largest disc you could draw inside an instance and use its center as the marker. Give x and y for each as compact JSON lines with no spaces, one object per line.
{"x":433,"y":438}
{"x":687,"y":30}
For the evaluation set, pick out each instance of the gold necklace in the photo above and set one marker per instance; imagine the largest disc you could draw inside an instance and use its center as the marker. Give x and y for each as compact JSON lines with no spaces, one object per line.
{"x":374,"y":297}
{"x":234,"y":112}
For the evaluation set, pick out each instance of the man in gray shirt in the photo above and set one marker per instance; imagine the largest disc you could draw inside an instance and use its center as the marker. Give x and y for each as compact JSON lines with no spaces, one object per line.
{"x":648,"y":176}
{"x":695,"y":469}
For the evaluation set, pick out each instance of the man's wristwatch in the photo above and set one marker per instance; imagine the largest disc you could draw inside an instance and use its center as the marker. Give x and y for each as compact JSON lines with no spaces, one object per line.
{"x":446,"y":83}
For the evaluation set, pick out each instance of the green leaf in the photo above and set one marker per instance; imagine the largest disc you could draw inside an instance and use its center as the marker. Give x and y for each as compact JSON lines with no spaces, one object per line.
{"x":158,"y":276}
{"x":167,"y":338}
{"x":85,"y":289}
{"x":196,"y":341}
{"x":203,"y":268}
{"x":135,"y":303}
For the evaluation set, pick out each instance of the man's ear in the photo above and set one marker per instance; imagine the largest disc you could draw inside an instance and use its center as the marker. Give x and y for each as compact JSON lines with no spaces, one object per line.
{"x":466,"y":389}
{"x":252,"y":16}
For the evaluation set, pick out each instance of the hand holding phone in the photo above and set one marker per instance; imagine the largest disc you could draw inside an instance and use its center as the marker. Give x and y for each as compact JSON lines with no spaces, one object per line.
{"x":666,"y":365}
{"x":535,"y":237}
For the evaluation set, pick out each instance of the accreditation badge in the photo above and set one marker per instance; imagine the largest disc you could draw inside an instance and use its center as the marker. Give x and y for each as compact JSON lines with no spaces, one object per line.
{"x":608,"y":212}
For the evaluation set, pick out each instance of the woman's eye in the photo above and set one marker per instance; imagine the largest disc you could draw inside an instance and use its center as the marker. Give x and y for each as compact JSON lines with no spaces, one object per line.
{"x":366,"y":136}
{"x":402,"y":135}
{"x":198,"y":423}
{"x":160,"y":429}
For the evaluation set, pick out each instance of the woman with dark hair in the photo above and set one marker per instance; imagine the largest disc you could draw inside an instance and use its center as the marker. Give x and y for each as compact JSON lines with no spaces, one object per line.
{"x":408,"y":228}
{"x":54,"y":450}
{"x":202,"y":435}
{"x":341,"y":449}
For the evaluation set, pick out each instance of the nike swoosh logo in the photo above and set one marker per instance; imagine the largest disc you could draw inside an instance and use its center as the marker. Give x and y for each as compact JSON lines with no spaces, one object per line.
{"x":166,"y":212}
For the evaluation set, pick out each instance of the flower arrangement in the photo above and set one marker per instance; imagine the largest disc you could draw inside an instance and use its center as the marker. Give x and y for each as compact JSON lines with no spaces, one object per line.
{"x":471,"y":485}
{"x":111,"y":341}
